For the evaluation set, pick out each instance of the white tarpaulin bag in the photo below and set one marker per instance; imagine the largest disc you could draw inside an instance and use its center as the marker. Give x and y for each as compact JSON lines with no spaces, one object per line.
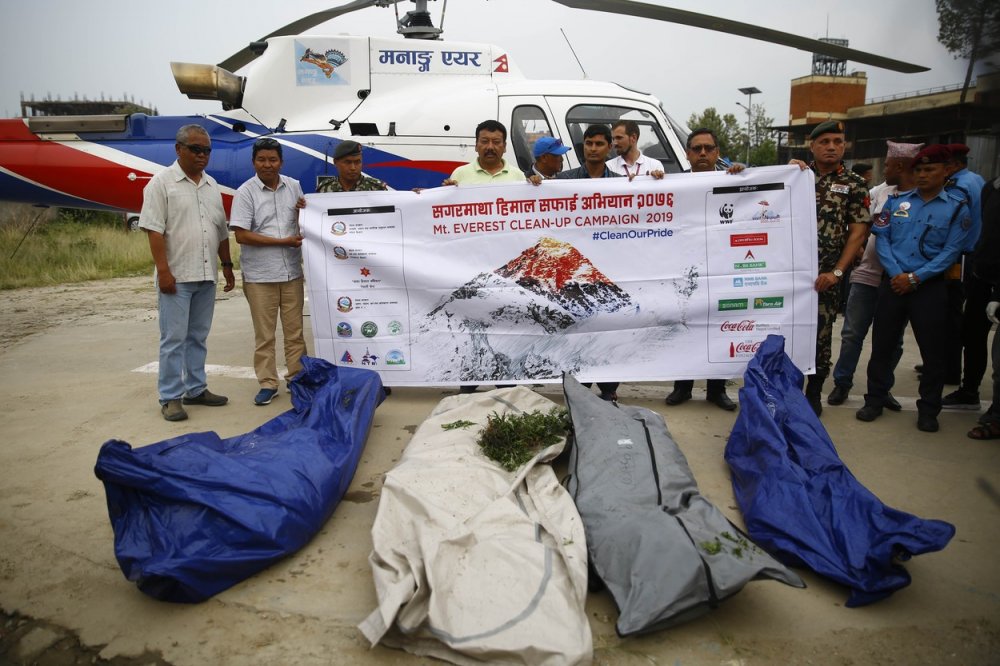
{"x":473,"y":563}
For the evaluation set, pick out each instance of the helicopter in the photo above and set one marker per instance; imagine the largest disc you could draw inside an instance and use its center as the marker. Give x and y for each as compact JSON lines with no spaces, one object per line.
{"x":412,"y":102}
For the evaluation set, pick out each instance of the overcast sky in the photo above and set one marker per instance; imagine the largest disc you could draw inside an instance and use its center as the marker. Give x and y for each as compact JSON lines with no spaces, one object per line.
{"x":113,"y":47}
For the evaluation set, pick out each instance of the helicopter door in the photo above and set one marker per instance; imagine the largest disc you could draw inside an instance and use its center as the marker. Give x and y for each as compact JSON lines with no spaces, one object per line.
{"x":656,"y":138}
{"x":527,"y":121}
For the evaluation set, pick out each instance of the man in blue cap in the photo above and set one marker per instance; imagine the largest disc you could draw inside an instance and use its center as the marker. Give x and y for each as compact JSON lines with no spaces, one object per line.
{"x":921,"y":233}
{"x":548,"y":152}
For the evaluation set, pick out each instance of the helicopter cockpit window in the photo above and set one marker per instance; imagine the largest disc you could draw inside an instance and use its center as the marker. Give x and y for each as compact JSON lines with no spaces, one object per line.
{"x":528,"y":124}
{"x":652,"y":142}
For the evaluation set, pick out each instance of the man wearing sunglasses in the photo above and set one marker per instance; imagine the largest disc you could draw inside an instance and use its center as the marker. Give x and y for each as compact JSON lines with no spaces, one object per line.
{"x":703,"y":154}
{"x":185,"y":222}
{"x":266,"y":221}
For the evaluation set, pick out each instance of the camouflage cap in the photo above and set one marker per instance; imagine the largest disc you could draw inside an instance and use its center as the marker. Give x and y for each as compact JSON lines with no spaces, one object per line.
{"x":828,"y":127}
{"x":345,"y":148}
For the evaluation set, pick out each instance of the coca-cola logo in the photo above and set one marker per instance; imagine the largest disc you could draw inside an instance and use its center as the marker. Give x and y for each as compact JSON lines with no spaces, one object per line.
{"x":748,"y":347}
{"x":738,"y":326}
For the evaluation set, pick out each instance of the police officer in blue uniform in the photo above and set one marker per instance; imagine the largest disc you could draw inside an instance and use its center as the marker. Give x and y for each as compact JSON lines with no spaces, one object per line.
{"x":967,"y":352}
{"x":921,"y":233}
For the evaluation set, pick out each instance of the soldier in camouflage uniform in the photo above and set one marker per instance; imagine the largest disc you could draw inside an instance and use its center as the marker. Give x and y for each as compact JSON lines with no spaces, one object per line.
{"x":347,"y":159}
{"x":843,"y":222}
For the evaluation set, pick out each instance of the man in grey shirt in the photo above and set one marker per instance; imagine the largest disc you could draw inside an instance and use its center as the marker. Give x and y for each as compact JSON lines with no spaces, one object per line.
{"x":185,"y":222}
{"x":265,"y":219}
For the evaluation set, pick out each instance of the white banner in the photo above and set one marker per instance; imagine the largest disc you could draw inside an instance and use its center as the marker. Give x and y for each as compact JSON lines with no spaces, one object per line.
{"x":607,"y":279}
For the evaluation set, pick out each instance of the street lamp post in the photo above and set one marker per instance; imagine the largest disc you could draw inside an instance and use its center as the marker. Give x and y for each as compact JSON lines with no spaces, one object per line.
{"x":749,"y":92}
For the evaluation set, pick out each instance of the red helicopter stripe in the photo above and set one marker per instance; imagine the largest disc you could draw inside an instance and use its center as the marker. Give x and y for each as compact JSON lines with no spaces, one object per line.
{"x":440,"y":166}
{"x":78,"y":174}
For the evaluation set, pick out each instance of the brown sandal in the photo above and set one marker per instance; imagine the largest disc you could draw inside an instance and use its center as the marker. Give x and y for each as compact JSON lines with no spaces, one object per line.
{"x":985,"y":431}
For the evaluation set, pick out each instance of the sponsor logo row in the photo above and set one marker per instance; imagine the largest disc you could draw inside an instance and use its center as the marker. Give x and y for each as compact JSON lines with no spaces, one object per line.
{"x":763,"y":213}
{"x":393,"y":357}
{"x":368,"y":329}
{"x":757,"y":303}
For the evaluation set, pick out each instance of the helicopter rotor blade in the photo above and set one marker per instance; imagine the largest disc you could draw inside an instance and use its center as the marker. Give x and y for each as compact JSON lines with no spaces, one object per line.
{"x":246,"y":55}
{"x":670,"y":15}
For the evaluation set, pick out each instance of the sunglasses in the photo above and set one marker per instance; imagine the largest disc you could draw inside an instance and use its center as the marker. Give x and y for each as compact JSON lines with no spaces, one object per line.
{"x":265,"y":144}
{"x":703,"y":149}
{"x":196,"y":149}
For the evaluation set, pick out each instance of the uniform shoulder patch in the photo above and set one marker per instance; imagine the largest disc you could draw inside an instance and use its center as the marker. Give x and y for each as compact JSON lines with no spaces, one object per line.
{"x":957,"y":194}
{"x":882,"y":219}
{"x":966,"y":223}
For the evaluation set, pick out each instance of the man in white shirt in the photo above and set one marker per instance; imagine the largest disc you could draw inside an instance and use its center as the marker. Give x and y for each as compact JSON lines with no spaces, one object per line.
{"x":630,"y":161}
{"x":185,"y":222}
{"x":265,"y":219}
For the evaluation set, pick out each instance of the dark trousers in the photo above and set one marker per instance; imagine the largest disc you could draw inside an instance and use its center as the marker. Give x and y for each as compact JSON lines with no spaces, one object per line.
{"x":925,"y":310}
{"x":953,"y":345}
{"x":715,"y":386}
{"x":975,"y":332}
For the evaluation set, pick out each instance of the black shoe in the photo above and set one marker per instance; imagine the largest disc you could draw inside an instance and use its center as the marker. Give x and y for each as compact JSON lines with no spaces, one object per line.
{"x":838,"y":395}
{"x":722,"y":401}
{"x":610,"y":396}
{"x":468,"y":388}
{"x":892,"y":404}
{"x":678,"y":396}
{"x":869,"y":413}
{"x":961,"y":399}
{"x":387,"y":390}
{"x":927,"y":423}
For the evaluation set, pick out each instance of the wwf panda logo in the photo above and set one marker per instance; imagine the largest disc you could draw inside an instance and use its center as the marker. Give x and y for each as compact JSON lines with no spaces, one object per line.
{"x":726,"y":213}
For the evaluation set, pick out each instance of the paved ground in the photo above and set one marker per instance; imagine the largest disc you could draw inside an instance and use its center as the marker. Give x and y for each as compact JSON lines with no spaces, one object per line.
{"x":68,"y":355}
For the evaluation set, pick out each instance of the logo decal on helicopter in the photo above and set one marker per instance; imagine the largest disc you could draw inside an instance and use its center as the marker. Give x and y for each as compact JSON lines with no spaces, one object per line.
{"x":318,"y":66}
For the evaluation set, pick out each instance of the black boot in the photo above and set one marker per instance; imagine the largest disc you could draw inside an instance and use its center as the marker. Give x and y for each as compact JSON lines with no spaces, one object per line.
{"x":814,"y":387}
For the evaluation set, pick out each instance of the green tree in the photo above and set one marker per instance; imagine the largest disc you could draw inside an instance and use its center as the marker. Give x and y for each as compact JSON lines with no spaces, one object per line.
{"x":763,"y":147}
{"x":732,"y":143}
{"x":969,"y":29}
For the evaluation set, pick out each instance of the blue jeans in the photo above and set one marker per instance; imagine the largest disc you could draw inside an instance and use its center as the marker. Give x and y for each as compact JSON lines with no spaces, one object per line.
{"x":185,"y":319}
{"x":858,"y":316}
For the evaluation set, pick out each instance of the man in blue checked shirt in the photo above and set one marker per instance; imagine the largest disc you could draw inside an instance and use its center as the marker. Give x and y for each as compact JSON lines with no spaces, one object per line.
{"x":266,"y":222}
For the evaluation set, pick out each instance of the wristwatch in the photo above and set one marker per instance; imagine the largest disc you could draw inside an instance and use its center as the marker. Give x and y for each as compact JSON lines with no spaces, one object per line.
{"x":837,"y":273}
{"x":227,"y":264}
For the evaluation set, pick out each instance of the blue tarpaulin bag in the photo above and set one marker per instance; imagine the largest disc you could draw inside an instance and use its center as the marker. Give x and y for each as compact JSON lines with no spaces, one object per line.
{"x":801,"y":503}
{"x":196,"y":514}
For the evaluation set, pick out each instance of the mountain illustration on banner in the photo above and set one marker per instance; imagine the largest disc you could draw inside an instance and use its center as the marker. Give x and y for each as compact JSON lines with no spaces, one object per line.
{"x":546,"y":311}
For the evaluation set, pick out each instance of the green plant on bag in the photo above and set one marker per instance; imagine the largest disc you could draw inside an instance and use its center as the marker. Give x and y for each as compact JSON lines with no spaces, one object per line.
{"x":511,"y":440}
